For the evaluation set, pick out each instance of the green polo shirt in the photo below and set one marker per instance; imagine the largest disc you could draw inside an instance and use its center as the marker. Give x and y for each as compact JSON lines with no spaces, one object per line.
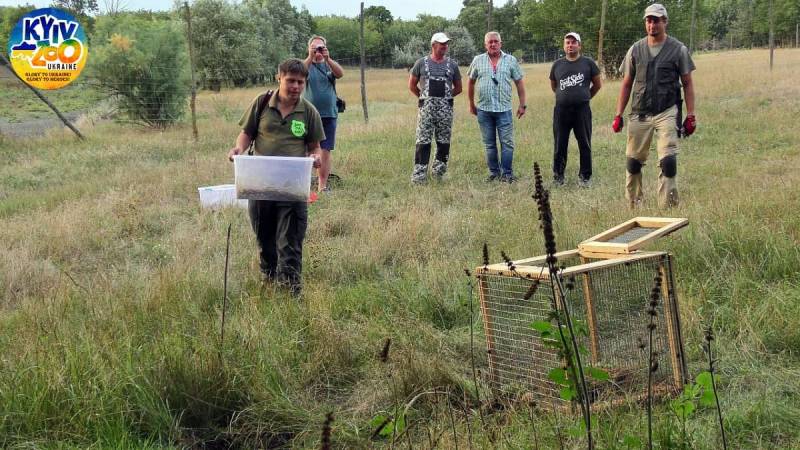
{"x":283,"y":136}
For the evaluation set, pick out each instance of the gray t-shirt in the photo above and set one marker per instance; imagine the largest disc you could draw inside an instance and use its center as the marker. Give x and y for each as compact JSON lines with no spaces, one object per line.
{"x":685,"y":63}
{"x":435,"y":78}
{"x":573,"y":80}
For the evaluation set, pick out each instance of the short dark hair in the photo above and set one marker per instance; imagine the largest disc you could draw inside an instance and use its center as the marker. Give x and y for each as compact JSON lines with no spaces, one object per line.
{"x":293,"y":66}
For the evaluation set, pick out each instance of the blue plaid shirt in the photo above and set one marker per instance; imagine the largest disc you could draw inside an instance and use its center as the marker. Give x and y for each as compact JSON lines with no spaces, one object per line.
{"x":494,"y":88}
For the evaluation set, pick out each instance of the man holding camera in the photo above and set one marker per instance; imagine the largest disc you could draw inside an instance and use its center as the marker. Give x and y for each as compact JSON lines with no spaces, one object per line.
{"x":321,"y":92}
{"x":435,"y":80}
{"x":575,"y":79}
{"x":654,"y":70}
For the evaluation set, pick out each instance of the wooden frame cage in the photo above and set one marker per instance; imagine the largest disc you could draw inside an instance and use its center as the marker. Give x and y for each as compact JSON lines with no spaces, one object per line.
{"x":607,"y":284}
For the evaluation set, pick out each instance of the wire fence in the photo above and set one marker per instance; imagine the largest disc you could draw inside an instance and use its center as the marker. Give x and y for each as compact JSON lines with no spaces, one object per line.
{"x":161,"y":108}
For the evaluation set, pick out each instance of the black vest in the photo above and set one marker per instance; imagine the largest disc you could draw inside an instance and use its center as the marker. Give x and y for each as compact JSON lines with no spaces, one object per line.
{"x":657,"y":84}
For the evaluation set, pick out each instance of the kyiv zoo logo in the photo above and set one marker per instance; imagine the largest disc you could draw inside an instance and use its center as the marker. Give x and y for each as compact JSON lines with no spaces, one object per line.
{"x":47,"y":48}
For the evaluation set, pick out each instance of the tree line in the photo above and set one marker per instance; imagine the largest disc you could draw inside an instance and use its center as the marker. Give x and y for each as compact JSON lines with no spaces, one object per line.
{"x":137,"y":54}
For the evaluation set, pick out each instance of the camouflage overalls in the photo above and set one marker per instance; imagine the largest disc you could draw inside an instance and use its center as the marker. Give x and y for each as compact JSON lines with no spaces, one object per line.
{"x":435,"y":116}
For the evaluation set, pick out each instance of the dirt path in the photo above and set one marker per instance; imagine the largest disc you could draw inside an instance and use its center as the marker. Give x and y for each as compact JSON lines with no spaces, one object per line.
{"x":36,"y":127}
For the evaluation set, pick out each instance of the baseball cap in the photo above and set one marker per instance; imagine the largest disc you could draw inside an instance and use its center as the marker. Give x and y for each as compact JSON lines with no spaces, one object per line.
{"x":655,"y":10}
{"x":440,"y":38}
{"x":574,"y":35}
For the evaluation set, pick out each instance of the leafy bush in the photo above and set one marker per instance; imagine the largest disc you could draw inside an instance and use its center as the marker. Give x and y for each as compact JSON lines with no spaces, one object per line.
{"x":144,"y":63}
{"x":409,"y":53}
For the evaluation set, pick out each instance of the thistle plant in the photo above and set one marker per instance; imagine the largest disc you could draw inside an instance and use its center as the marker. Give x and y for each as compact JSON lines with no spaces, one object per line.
{"x":709,"y":338}
{"x":652,"y":363}
{"x":571,"y":376}
{"x":326,"y":432}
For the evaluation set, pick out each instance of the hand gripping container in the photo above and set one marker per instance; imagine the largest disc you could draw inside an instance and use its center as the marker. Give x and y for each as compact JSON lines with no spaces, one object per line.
{"x":278,"y":178}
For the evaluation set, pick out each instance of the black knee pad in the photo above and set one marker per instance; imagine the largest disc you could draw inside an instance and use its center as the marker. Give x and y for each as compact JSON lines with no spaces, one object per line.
{"x":669,"y":166}
{"x":634,"y":166}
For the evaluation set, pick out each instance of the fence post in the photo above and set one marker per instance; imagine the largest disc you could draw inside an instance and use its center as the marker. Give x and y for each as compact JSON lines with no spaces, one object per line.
{"x":600,"y":36}
{"x":192,"y":102}
{"x":771,"y":36}
{"x":42,"y":98}
{"x":489,"y":12}
{"x":694,"y":22}
{"x":363,"y":63}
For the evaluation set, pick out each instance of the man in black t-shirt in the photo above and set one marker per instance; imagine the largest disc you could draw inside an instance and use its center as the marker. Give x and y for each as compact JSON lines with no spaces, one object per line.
{"x":575,"y":79}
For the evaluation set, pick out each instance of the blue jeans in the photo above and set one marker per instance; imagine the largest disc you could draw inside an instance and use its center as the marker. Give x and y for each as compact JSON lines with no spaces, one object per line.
{"x":494,"y":125}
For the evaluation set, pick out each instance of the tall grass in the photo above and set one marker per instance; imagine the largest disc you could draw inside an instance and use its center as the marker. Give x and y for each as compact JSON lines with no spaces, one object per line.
{"x":111,"y":275}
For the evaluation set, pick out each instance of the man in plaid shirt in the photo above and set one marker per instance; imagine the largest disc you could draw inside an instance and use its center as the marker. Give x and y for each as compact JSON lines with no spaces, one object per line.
{"x":493,"y":73}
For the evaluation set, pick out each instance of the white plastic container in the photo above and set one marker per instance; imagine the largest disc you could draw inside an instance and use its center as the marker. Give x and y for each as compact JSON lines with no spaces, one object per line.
{"x":279,"y":178}
{"x":222,"y":196}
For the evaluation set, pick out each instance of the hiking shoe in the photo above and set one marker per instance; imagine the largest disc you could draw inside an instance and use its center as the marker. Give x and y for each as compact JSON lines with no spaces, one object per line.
{"x":420,"y":174}
{"x":325,"y":190}
{"x":558,"y":181}
{"x":492,"y":177}
{"x":584,"y":183}
{"x":508,"y":179}
{"x":438,"y":169}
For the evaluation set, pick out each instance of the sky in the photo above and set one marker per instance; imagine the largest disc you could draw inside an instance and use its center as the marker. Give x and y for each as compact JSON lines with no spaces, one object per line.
{"x":404,"y":9}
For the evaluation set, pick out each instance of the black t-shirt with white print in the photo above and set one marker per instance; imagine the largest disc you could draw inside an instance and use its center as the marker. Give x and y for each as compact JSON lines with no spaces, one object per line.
{"x":573,"y":80}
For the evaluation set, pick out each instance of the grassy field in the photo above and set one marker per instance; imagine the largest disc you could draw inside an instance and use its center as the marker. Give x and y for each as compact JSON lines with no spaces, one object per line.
{"x":111,"y":276}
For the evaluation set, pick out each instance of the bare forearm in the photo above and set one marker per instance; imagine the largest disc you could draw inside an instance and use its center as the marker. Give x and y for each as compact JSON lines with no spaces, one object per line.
{"x":471,"y":91}
{"x":337,"y":70}
{"x":521,"y":91}
{"x":622,"y":100}
{"x":688,"y":94}
{"x":243,"y":141}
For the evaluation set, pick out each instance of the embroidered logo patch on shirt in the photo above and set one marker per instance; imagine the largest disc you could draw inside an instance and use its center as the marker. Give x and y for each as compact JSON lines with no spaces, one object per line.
{"x":298,"y":128}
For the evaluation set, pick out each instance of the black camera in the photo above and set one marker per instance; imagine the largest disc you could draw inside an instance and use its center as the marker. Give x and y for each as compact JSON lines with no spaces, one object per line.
{"x":320,"y":48}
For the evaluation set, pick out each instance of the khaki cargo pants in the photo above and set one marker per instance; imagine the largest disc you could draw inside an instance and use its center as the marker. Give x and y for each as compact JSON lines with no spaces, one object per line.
{"x":640,"y":135}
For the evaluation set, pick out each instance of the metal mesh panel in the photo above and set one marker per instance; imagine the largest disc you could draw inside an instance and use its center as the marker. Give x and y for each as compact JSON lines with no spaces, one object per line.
{"x":632,"y":235}
{"x":619,"y":297}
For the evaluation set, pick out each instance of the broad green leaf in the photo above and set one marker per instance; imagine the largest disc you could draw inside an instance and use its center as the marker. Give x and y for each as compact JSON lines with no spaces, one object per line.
{"x":542,"y":326}
{"x":704,"y":379}
{"x":597,"y":374}
{"x":559,"y":376}
{"x":377,"y":420}
{"x":707,"y":398}
{"x":567,"y":393}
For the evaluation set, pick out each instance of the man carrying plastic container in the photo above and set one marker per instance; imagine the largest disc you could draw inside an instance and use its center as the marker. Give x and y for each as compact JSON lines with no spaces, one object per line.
{"x":287,"y":126}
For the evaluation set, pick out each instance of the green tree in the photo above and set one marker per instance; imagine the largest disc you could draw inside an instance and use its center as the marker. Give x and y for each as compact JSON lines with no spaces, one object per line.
{"x":144,"y":63}
{"x":224,"y":48}
{"x":380,"y":16}
{"x":343,"y":35}
{"x":9,"y":16}
{"x":462,"y":48}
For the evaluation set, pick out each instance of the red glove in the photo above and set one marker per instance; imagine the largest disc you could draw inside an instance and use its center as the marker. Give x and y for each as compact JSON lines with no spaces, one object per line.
{"x":689,"y":125}
{"x":618,"y":124}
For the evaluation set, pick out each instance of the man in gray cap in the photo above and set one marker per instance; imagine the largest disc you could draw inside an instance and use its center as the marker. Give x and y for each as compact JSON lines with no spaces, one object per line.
{"x":654,"y":70}
{"x":575,"y":79}
{"x":435,"y":80}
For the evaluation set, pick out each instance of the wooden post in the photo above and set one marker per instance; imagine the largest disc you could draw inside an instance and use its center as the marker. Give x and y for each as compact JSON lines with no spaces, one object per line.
{"x":591,"y":314}
{"x":771,"y":36}
{"x":42,"y":98}
{"x":489,"y":12}
{"x":363,"y":63}
{"x":192,"y":102}
{"x":694,"y":22}
{"x":600,"y":36}
{"x":671,"y":324}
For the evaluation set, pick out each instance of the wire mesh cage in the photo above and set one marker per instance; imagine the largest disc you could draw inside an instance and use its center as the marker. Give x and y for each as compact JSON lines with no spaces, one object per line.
{"x":610,"y":294}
